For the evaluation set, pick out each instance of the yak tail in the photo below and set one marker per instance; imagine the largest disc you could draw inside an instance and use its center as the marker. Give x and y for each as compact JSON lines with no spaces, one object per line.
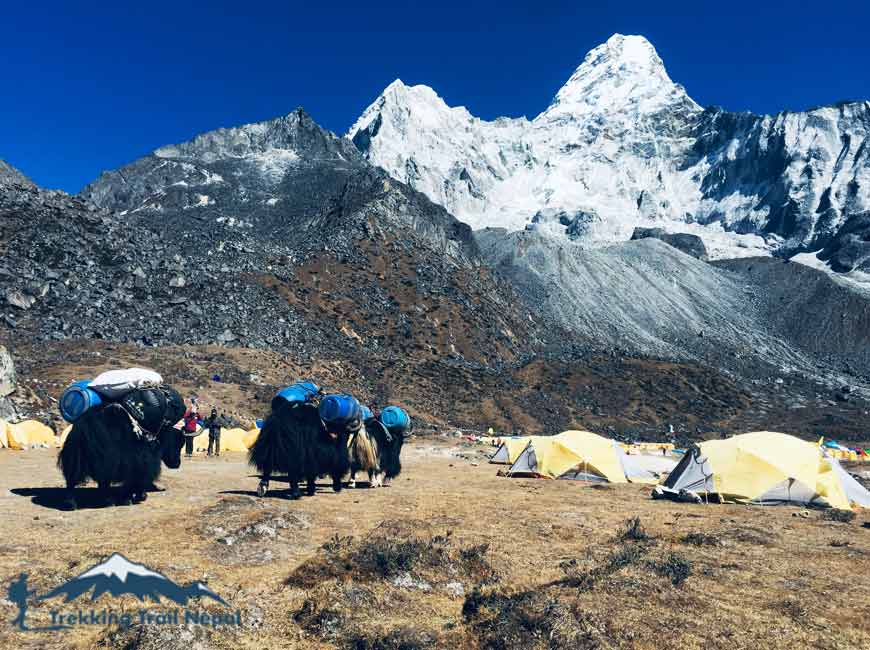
{"x":365,"y":451}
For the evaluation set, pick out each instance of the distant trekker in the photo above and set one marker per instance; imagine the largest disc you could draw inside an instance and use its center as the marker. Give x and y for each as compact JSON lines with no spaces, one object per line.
{"x":190,"y":418}
{"x":214,"y":424}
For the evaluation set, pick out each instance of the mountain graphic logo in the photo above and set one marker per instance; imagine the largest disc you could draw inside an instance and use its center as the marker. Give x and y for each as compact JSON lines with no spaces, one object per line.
{"x":118,"y":576}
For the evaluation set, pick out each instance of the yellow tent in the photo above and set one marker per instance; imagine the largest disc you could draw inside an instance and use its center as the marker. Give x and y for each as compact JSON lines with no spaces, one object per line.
{"x":63,"y":435}
{"x":27,"y":433}
{"x":231,"y":440}
{"x":510,"y":449}
{"x":4,"y":442}
{"x":251,"y":437}
{"x":764,"y":467}
{"x":579,"y":455}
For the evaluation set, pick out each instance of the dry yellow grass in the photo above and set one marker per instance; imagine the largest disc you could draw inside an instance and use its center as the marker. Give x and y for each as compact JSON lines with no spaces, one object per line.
{"x":761,"y":577}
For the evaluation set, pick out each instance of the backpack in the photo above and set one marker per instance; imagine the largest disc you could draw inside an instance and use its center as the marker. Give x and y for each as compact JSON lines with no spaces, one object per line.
{"x":77,"y":400}
{"x":395,"y":420}
{"x":298,"y":393}
{"x":339,"y":410}
{"x":114,"y":384}
{"x":147,"y":406}
{"x":366,"y":413}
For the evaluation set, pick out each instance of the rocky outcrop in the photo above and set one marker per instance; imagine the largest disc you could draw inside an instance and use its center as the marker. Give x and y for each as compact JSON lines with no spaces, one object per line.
{"x":689,"y":244}
{"x":7,"y":385}
{"x":7,"y":372}
{"x":849,"y":249}
{"x":10,"y":176}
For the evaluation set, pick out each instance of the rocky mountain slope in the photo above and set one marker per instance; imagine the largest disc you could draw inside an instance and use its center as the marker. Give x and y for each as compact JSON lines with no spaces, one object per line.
{"x":756,"y":318}
{"x":10,"y":176}
{"x":622,"y":146}
{"x":275,"y":234}
{"x":276,"y":250}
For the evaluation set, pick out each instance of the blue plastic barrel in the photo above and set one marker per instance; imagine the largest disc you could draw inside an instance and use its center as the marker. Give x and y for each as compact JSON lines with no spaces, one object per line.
{"x":339,"y":409}
{"x":395,"y":419}
{"x":77,"y":400}
{"x":302,"y":391}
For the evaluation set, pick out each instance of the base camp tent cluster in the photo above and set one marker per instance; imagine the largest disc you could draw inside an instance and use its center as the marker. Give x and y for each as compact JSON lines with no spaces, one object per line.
{"x":762,"y":467}
{"x":766,"y":468}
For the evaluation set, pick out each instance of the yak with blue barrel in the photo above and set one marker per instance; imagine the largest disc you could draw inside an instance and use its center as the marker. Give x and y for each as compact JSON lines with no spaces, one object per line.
{"x":377,"y":447}
{"x":119,"y":441}
{"x":297,"y":440}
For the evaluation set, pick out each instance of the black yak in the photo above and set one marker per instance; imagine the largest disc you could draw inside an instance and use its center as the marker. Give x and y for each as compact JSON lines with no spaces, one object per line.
{"x":295,"y":442}
{"x":375,"y":450}
{"x":104,"y":446}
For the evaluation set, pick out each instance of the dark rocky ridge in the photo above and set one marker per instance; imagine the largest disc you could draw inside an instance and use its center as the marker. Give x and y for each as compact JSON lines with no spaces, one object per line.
{"x":11,"y":176}
{"x":290,"y":210}
{"x":763,"y":156}
{"x":689,"y":244}
{"x":849,"y":248}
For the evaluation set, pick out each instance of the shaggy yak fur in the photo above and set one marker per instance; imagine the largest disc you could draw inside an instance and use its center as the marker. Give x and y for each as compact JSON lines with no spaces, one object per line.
{"x":293,"y":441}
{"x":103,"y":446}
{"x":376,"y":451}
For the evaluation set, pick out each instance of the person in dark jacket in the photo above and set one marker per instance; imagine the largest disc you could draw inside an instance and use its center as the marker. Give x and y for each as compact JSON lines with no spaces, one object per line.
{"x":214,"y":424}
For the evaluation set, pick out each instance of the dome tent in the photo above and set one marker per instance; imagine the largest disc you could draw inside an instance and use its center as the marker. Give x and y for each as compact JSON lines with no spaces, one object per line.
{"x":579,"y":456}
{"x":510,"y":449}
{"x":27,"y":434}
{"x":763,"y":467}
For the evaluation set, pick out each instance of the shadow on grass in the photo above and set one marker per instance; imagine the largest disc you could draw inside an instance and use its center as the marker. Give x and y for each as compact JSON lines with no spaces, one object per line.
{"x":87,"y":498}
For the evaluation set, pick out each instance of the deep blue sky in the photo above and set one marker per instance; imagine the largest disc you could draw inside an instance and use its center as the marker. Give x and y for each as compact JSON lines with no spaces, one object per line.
{"x":90,"y":86}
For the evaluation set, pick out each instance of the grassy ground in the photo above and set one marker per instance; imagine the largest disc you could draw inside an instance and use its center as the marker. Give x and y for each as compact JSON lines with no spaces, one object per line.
{"x":450,"y":556}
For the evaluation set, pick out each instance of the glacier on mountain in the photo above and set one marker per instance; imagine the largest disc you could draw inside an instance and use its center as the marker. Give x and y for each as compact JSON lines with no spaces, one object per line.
{"x":622,"y":146}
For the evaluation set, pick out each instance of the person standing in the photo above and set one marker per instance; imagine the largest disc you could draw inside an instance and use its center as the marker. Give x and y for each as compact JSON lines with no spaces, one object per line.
{"x":190,"y":418}
{"x":214,"y":424}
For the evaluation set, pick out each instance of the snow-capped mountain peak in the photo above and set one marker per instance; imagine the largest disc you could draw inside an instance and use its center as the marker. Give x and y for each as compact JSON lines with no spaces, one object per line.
{"x":623,"y":146}
{"x":402,"y":105}
{"x":511,"y":172}
{"x":120,"y":567}
{"x":625,"y":71}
